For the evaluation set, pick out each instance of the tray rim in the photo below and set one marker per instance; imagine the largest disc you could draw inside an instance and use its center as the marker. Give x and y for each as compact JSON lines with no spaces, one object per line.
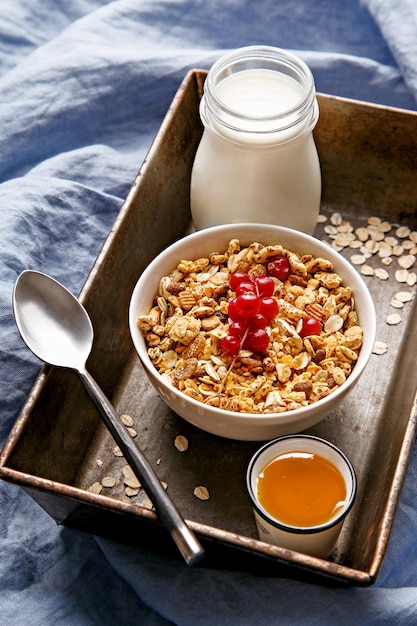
{"x":336,"y":571}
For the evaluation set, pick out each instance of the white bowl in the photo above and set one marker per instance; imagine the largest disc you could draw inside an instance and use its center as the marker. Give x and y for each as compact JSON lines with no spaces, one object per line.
{"x":234,"y":425}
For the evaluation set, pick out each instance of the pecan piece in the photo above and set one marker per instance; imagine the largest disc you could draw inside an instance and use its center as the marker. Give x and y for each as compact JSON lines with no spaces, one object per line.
{"x":304,"y":386}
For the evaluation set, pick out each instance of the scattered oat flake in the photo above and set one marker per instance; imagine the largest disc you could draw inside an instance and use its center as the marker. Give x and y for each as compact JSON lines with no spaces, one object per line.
{"x":381,"y":273}
{"x":164,"y":484}
{"x":401,"y":276}
{"x":397,"y":304}
{"x":380,"y":347}
{"x":413,"y":236}
{"x":201,"y":493}
{"x":371,"y":246}
{"x":344,"y":239}
{"x":404,"y":296}
{"x":387,"y":260}
{"x":181,"y":443}
{"x":108,"y":481}
{"x":384,"y":227}
{"x":397,"y":250}
{"x":95,"y":487}
{"x":402,"y":232}
{"x":336,"y":219}
{"x":129,"y":477}
{"x":411,"y":279}
{"x":117,"y":451}
{"x":355,"y":243}
{"x":384,"y":250}
{"x":330,"y":230}
{"x":127,"y":420}
{"x":367,"y":270}
{"x":358,"y":259}
{"x":131,"y":491}
{"x":146,"y":504}
{"x":377,"y":235}
{"x":132,"y":432}
{"x":362,"y":234}
{"x":391,"y":241}
{"x":99,"y":463}
{"x":345,"y":227}
{"x":374,"y":221}
{"x":394,"y":319}
{"x":321,"y":218}
{"x":406,"y":261}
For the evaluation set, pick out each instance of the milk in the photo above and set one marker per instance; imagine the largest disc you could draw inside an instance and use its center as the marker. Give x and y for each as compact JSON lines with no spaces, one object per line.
{"x":257,"y":160}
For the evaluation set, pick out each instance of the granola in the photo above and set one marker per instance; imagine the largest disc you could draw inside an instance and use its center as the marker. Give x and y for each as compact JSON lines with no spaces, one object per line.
{"x":189,"y":318}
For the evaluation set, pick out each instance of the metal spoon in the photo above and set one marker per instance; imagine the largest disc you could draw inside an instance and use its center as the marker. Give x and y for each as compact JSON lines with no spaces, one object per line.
{"x":58,"y":330}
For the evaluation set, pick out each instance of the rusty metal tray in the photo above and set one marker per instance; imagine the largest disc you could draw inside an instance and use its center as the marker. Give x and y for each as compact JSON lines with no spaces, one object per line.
{"x":58,"y":447}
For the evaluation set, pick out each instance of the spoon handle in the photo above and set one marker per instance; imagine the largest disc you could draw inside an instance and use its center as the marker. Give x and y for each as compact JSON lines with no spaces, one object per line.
{"x":166,"y":510}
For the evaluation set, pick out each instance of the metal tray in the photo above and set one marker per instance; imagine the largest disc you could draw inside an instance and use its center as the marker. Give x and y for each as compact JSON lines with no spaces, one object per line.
{"x":58,"y":447}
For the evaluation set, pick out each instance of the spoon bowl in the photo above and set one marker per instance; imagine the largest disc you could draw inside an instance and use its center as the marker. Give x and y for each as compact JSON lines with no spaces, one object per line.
{"x":57,"y":329}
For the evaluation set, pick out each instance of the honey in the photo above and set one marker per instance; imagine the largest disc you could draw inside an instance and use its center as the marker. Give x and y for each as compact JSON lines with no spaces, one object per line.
{"x":301,"y":489}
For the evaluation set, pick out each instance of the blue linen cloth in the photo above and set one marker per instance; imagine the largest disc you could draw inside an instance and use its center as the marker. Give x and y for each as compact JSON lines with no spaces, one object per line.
{"x":84,"y":86}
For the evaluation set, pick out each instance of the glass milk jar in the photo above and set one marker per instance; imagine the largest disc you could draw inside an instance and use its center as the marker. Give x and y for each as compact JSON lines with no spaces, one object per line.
{"x":257,"y":160}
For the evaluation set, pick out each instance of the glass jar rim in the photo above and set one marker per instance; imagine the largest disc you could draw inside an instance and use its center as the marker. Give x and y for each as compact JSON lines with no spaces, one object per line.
{"x":260,"y":57}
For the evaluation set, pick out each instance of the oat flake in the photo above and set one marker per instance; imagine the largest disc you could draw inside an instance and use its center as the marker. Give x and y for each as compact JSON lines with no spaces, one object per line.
{"x":108,"y":481}
{"x":333,"y":324}
{"x":404,"y":296}
{"x":411,"y":279}
{"x":358,"y":259}
{"x":402,"y":232}
{"x":384,"y":250}
{"x":401,"y":276}
{"x":129,"y":477}
{"x":407,"y":261}
{"x":393,"y":319}
{"x":380,"y":347}
{"x":377,"y":235}
{"x":384,"y":227}
{"x":330,"y":230}
{"x":396,"y":304}
{"x":336,"y":219}
{"x":127,"y":420}
{"x":362,"y":234}
{"x":95,"y":488}
{"x":181,"y":443}
{"x":201,"y":493}
{"x":367,"y":270}
{"x":381,"y":273}
{"x":397,"y":250}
